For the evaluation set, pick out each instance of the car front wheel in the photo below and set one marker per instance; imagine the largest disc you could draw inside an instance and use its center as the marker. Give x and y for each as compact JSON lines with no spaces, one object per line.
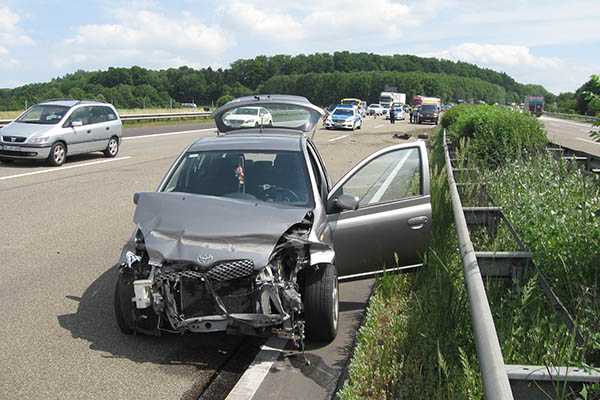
{"x":321,"y":303}
{"x":58,"y":154}
{"x":112,"y":148}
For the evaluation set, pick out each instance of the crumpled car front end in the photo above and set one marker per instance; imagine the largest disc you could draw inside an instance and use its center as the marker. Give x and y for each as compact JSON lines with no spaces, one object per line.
{"x":189,"y":269}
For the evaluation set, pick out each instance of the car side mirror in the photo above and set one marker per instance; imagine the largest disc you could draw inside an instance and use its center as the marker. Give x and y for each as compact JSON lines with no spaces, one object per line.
{"x":344,"y":202}
{"x":76,"y":124}
{"x":136,"y":197}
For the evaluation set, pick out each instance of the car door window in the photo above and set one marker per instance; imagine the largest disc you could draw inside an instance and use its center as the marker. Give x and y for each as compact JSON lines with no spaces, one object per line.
{"x":392,"y":176}
{"x":82,"y":114}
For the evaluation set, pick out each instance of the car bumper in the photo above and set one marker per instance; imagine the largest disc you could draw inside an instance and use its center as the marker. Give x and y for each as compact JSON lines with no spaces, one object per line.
{"x":339,"y":125}
{"x":428,"y":118}
{"x":23,"y":152}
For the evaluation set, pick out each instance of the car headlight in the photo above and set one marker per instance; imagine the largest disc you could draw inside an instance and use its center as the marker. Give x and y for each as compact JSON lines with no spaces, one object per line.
{"x":39,"y":140}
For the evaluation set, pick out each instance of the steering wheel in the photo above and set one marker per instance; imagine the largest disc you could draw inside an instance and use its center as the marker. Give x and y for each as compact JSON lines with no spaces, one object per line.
{"x":280,"y":194}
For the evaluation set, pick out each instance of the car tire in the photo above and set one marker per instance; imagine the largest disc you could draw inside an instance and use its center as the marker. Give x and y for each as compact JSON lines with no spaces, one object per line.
{"x":321,"y":303}
{"x":122,"y":303}
{"x":58,"y":154}
{"x":112,"y":148}
{"x":125,"y":311}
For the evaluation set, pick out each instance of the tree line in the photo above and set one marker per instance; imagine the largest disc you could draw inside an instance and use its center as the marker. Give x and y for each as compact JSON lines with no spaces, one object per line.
{"x":329,"y":87}
{"x":140,"y":87}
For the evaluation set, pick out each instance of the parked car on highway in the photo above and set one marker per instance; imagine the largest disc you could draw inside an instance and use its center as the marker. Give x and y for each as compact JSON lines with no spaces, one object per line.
{"x":344,"y":117}
{"x":428,"y":113}
{"x":375,"y":109}
{"x":398,"y":112}
{"x":249,"y":117}
{"x":54,"y":130}
{"x":246,"y":234}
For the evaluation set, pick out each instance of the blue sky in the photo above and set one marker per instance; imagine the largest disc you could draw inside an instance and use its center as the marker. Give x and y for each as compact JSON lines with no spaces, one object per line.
{"x":554,"y":43}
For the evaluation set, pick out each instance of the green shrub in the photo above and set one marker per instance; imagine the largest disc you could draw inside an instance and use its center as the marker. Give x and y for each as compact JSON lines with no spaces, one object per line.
{"x":496,"y":135}
{"x":224,"y":99}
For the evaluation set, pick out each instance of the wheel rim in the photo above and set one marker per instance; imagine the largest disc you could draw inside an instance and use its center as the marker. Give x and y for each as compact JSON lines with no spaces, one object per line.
{"x":335,"y":304}
{"x":113,"y":146}
{"x":59,"y":154}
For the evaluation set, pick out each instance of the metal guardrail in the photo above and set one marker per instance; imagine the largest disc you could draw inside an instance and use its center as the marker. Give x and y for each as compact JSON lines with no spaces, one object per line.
{"x":148,"y":117}
{"x":524,"y":381}
{"x":493,"y":373}
{"x":572,"y":117}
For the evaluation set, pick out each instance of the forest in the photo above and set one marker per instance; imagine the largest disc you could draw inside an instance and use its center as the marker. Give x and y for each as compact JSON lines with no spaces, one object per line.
{"x":341,"y":73}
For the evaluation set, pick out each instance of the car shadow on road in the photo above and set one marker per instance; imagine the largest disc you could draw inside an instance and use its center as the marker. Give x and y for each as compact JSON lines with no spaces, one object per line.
{"x":95,"y":323}
{"x":42,"y":163}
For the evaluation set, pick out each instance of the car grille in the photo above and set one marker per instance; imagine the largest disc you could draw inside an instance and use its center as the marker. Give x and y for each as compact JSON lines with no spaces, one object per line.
{"x":18,"y":153}
{"x":231,"y":270}
{"x":219,"y":272}
{"x":13,"y":139}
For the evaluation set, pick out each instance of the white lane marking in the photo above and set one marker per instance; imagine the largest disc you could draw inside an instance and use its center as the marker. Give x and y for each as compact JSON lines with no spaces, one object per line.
{"x":169,"y":133}
{"x":388,"y":181}
{"x":338,"y":138}
{"x":251,"y":380}
{"x":378,"y":126}
{"x":587,"y":141}
{"x":58,"y":169}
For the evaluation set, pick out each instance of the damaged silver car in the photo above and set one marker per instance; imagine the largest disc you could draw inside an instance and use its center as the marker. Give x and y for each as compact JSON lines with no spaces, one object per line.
{"x":246,"y":235}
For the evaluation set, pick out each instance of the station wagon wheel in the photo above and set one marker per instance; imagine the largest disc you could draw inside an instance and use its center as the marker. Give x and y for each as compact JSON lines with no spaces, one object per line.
{"x":112,"y":148}
{"x":58,"y":154}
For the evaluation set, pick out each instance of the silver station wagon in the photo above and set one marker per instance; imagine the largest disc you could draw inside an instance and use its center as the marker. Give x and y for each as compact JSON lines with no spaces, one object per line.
{"x":54,"y":129}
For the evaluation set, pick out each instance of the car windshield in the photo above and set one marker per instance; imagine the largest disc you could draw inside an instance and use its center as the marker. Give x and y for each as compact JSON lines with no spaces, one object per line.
{"x":271,"y":176}
{"x":43,"y":114}
{"x":343,"y":112}
{"x":245,"y":111}
{"x":429,"y":108}
{"x":375,"y":105}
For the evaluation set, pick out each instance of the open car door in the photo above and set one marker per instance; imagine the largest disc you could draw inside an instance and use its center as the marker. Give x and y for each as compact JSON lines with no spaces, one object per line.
{"x":388,"y":224}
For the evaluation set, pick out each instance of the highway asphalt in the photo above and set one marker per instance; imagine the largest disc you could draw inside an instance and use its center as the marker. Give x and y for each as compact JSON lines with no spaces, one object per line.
{"x":61,"y":233}
{"x":571,"y":134}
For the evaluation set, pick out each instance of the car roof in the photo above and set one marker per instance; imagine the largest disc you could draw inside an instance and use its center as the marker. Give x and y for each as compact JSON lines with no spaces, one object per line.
{"x":251,"y":140}
{"x":71,"y":103}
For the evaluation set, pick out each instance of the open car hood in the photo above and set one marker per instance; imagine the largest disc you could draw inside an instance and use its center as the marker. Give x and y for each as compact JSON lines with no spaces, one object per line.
{"x":282,"y":109}
{"x":181,"y":227}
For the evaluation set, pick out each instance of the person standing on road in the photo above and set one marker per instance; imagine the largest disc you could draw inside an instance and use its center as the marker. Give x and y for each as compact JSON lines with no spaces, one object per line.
{"x":392,"y":115}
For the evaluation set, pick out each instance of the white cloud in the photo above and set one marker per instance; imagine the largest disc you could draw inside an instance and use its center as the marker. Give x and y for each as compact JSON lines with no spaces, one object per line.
{"x":499,"y":55}
{"x":556,"y":74}
{"x":269,"y":24}
{"x":317,"y":21}
{"x":11,"y":36}
{"x":143,"y":37}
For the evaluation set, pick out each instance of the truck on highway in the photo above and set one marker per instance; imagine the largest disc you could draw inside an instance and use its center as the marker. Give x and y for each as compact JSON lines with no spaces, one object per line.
{"x":534,"y":105}
{"x":422,"y":100}
{"x":386,"y":99}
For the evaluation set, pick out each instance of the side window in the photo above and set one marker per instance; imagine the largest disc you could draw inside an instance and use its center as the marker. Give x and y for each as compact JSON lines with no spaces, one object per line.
{"x":100,"y":114}
{"x":110,"y":114}
{"x":390,"y":177}
{"x":82,"y":114}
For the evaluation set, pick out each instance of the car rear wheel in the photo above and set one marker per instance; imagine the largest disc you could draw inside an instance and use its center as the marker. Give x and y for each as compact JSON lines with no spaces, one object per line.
{"x":58,"y":154}
{"x":112,"y":149}
{"x":321,"y":303}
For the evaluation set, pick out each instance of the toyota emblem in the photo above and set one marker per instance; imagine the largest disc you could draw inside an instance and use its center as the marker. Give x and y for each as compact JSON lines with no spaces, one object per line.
{"x":205,"y":259}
